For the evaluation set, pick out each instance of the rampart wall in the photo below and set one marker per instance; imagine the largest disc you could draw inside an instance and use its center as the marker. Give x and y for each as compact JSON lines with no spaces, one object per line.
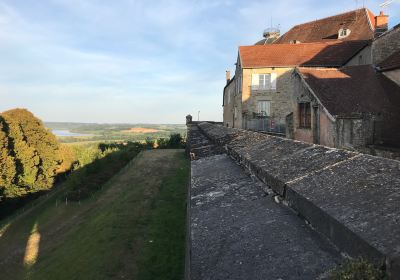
{"x":353,"y":199}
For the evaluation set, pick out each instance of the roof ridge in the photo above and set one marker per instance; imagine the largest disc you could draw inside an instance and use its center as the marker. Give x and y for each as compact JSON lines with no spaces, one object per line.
{"x":329,"y":17}
{"x":333,"y":42}
{"x":335,"y":68}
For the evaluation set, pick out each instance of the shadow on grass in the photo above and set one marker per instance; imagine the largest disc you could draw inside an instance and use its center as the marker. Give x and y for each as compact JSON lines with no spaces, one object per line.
{"x":25,"y":237}
{"x":20,"y":236}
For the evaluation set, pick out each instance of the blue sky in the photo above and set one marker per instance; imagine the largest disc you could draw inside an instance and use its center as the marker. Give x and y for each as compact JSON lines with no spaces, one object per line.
{"x":135,"y":61}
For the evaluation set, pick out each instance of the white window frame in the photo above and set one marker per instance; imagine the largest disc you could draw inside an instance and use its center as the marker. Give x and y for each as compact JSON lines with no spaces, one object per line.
{"x":264,"y":108}
{"x":263,"y":81}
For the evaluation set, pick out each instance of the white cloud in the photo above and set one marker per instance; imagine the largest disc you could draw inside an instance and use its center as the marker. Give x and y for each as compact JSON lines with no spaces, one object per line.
{"x":132,"y":60}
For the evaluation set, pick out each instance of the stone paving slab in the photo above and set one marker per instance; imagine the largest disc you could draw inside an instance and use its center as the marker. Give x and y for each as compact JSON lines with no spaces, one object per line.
{"x":199,"y":145}
{"x":278,"y":162}
{"x":239,"y":232}
{"x":353,"y":199}
{"x":218,"y":133}
{"x":356,"y":204}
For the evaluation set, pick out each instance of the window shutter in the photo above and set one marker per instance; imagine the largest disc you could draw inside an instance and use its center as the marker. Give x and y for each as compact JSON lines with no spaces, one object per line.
{"x":268,"y":108}
{"x":273,"y":80}
{"x":254,"y":79}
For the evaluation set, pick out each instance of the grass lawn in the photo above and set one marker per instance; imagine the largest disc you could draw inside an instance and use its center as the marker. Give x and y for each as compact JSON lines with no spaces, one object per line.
{"x":134,"y":228}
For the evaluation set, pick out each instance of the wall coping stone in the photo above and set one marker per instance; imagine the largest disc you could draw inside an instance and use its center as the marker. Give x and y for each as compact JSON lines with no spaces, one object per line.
{"x":351,"y":198}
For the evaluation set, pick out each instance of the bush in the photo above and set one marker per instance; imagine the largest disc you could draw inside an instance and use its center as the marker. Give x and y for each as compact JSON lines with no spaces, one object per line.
{"x":358,"y":270}
{"x":175,"y":141}
{"x":92,"y":176}
{"x":149,"y":143}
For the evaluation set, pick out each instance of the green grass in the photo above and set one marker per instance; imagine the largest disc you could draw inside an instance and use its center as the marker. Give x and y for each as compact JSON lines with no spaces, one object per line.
{"x":163,"y":250}
{"x":133,"y":228}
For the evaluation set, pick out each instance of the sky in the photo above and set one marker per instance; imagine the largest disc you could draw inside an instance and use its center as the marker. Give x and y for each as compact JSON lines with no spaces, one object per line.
{"x":136,"y":61}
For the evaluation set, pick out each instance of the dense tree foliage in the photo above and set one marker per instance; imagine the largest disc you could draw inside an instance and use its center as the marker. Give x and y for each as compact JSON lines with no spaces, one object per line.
{"x":7,"y":161}
{"x":29,"y":154}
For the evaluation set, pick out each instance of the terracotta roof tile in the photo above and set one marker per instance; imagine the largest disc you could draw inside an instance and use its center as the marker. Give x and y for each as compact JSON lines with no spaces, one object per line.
{"x":392,"y":62}
{"x":358,"y":21}
{"x":327,"y":54}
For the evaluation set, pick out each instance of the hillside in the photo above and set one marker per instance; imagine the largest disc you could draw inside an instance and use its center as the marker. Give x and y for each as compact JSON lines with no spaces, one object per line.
{"x":133,"y":228}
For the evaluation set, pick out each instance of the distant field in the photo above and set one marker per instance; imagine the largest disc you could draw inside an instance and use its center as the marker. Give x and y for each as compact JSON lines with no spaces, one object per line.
{"x":134,"y":228}
{"x":141,"y":130}
{"x":114,"y":132}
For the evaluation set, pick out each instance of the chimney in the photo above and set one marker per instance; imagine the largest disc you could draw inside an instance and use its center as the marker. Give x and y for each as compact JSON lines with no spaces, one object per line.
{"x":228,"y":76}
{"x":381,"y":23}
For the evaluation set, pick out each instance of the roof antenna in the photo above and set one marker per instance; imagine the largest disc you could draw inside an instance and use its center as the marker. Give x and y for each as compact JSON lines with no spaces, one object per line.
{"x":386,"y":4}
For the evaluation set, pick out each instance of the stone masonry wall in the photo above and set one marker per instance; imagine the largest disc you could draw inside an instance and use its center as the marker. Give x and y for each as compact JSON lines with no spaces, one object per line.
{"x":229,"y":104}
{"x":280,"y":98}
{"x":350,"y":198}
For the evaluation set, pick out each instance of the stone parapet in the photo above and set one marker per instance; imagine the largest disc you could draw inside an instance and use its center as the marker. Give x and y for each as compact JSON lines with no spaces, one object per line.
{"x":353,"y":199}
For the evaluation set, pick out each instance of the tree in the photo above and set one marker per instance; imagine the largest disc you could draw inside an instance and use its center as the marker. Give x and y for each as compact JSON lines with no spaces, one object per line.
{"x":36,"y":152}
{"x":7,"y":161}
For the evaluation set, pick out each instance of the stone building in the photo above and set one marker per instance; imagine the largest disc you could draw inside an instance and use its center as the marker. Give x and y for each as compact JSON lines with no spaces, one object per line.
{"x":263,"y":83}
{"x":230,"y":103}
{"x":350,"y":107}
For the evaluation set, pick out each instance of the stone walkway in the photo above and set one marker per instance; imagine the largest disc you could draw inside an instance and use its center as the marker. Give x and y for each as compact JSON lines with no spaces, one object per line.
{"x":238,"y":231}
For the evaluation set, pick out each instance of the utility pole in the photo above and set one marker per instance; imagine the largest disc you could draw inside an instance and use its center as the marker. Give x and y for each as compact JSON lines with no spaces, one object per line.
{"x":198,"y":116}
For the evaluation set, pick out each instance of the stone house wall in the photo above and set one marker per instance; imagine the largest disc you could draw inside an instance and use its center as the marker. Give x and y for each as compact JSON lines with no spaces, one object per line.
{"x":229,"y":104}
{"x":279,"y":98}
{"x":356,"y":133}
{"x":332,"y":131}
{"x":364,"y":57}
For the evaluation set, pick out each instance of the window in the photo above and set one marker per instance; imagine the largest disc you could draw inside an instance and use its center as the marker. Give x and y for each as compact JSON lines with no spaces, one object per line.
{"x":235,"y":113}
{"x":263,"y":81}
{"x":344,"y":32}
{"x":229,"y":97}
{"x":305,"y":115}
{"x":263,"y":108}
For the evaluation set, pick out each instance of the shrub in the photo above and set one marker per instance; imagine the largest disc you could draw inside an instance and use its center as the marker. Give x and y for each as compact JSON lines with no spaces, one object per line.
{"x":358,"y":270}
{"x":175,"y":141}
{"x":92,"y":176}
{"x":149,"y":143}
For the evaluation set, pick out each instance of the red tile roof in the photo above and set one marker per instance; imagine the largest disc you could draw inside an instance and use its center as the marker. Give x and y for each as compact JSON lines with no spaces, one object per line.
{"x":360,"y":22}
{"x":390,"y":63}
{"x":327,"y":54}
{"x":353,"y":90}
